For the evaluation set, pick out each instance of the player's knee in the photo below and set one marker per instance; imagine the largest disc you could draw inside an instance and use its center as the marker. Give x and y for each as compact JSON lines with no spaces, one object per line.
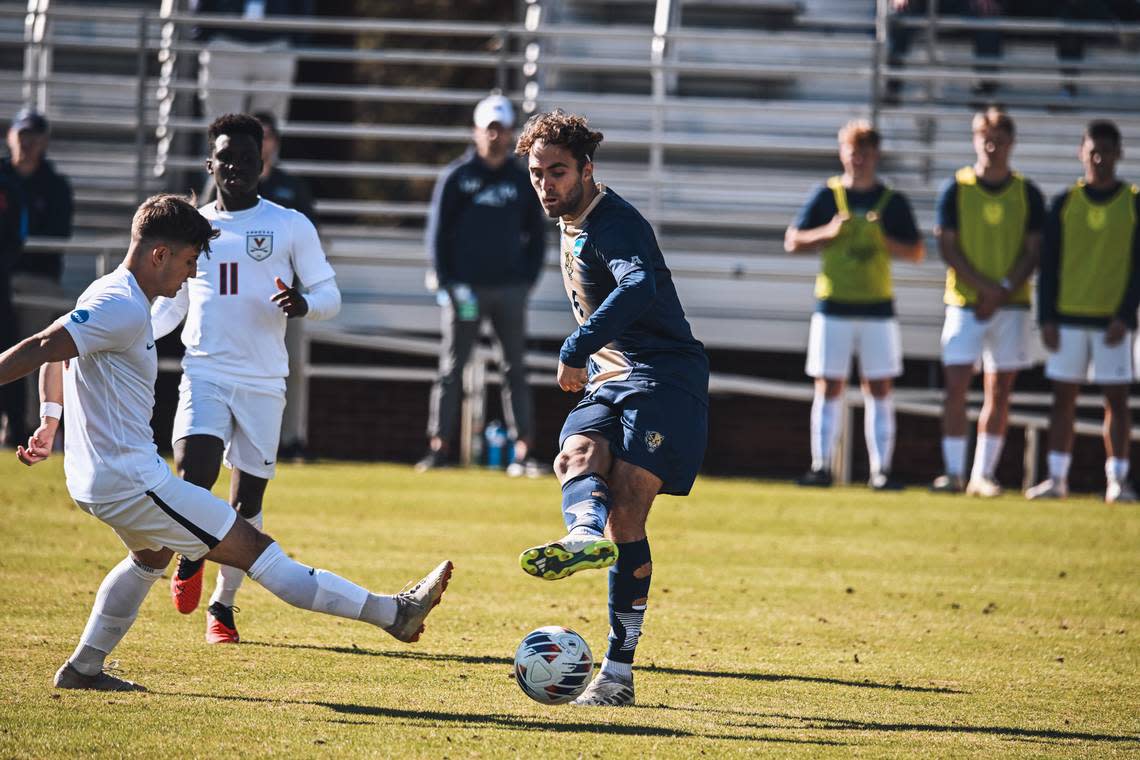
{"x":156,"y":559}
{"x":582,"y":457}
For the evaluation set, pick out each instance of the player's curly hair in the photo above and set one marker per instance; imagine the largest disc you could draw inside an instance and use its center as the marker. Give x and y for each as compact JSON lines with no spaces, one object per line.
{"x":558,"y":127}
{"x":170,"y":218}
{"x":235,"y":124}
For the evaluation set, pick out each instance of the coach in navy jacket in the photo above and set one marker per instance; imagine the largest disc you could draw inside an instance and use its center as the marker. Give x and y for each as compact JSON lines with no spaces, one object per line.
{"x":485,"y":238}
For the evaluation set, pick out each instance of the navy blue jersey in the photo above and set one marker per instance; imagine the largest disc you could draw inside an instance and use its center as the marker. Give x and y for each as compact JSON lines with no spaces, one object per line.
{"x":631,"y":324}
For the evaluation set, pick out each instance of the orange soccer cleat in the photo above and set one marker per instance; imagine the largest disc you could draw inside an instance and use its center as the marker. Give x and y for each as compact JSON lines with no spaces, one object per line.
{"x":220,"y":626}
{"x":186,"y":585}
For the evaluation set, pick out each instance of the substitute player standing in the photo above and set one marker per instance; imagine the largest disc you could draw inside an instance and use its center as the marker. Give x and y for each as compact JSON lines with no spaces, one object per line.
{"x":99,"y":369}
{"x":989,"y":233}
{"x":641,"y":428}
{"x":1087,"y":295}
{"x":859,"y":223}
{"x":232,"y":393}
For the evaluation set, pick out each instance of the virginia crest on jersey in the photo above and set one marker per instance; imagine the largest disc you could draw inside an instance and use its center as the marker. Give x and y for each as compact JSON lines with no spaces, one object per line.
{"x":259,"y":244}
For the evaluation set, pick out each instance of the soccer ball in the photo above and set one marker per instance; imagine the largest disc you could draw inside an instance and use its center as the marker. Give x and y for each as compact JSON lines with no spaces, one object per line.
{"x":553,"y":665}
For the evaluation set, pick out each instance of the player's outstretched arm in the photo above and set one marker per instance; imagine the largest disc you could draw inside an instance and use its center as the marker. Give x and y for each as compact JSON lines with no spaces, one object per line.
{"x":53,"y":344}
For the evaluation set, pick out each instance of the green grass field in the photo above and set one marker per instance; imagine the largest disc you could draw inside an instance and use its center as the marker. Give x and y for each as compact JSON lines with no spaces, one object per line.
{"x":782,"y":622}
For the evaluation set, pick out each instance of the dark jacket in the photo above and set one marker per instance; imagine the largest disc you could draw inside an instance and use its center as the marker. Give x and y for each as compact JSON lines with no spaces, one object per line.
{"x":13,"y":231}
{"x":49,"y":204}
{"x":289,"y":191}
{"x":237,"y":8}
{"x":486,"y":227}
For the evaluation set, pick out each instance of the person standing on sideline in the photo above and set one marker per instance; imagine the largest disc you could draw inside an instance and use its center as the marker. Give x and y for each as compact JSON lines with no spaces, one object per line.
{"x":989,"y":232}
{"x":284,"y":189}
{"x":13,"y":230}
{"x":486,"y":240}
{"x":859,"y":224}
{"x":99,"y":369}
{"x":232,"y":393}
{"x":49,"y":205}
{"x":247,"y":69}
{"x":1087,"y":295}
{"x":642,"y":425}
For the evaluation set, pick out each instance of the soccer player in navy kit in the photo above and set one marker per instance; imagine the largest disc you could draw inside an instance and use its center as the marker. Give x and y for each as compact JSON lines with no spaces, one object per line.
{"x":641,"y":427}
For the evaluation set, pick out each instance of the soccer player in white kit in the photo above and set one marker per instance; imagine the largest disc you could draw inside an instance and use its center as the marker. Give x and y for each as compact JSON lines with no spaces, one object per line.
{"x":99,"y":369}
{"x":232,"y":394}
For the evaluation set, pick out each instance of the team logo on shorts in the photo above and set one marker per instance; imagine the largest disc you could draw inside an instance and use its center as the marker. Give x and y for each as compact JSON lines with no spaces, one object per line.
{"x":1097,"y":218}
{"x":80,"y":316}
{"x":993,"y":213}
{"x":653,"y":440}
{"x":259,"y":245}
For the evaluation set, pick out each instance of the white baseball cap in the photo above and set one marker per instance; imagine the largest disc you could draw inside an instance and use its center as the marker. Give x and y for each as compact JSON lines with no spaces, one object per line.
{"x":494,"y":108}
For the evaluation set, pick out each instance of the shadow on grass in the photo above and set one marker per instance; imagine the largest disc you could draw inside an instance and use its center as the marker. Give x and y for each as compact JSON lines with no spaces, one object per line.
{"x":496,"y":720}
{"x":840,"y":724}
{"x":506,"y":661}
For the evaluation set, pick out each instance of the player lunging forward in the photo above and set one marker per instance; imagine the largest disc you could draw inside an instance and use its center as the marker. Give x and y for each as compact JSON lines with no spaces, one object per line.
{"x":232,"y":393}
{"x":641,"y":428}
{"x":99,"y":362}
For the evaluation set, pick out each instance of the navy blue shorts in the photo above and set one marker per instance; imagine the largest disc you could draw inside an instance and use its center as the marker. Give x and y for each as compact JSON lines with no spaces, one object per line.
{"x":657,"y":427}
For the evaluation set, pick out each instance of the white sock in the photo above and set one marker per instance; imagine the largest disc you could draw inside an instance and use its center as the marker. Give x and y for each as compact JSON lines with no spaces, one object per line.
{"x":116,"y":605}
{"x":986,"y":455}
{"x":230,"y":578}
{"x":879,"y":430}
{"x":954,"y":454}
{"x":1059,"y":463}
{"x":1116,"y":469}
{"x":319,"y":590}
{"x":824,"y":430}
{"x":622,"y":670}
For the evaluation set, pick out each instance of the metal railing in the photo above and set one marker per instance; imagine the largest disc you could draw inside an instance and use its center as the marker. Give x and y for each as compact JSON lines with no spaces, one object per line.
{"x":661,"y":133}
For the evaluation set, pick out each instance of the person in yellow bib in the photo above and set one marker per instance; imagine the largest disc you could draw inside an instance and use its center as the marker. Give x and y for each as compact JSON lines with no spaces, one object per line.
{"x":858,"y":224}
{"x":1087,"y":295}
{"x":989,"y":233}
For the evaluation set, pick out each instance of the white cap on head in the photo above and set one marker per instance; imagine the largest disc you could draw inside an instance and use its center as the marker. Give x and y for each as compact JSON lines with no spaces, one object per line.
{"x":494,"y":108}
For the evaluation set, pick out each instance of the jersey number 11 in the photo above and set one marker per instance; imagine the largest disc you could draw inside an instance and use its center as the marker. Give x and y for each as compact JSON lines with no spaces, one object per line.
{"x":227,"y":278}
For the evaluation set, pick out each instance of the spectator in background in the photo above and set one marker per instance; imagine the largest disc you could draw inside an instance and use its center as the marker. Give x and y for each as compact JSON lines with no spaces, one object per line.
{"x":1087,"y":295}
{"x":284,"y":189}
{"x":48,"y":204}
{"x":485,"y":236}
{"x":13,"y":226}
{"x":989,"y":233}
{"x":247,"y":69}
{"x":858,"y":224}
{"x":987,"y":42}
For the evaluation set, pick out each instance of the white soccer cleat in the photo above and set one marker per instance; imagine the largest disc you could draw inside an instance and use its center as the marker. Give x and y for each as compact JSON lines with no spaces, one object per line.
{"x":1120,"y":492}
{"x":1048,"y":489}
{"x":983,"y":486}
{"x":606,"y":691}
{"x":413,"y":605}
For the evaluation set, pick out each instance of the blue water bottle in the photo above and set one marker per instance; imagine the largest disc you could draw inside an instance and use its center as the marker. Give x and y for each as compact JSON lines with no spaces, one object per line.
{"x":496,"y":438}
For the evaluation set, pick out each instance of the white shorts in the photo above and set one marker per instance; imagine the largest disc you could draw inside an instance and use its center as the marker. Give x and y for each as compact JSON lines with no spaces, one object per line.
{"x":832,"y":341}
{"x":1083,"y":357}
{"x":247,"y":419}
{"x":999,"y":344}
{"x":173,"y":515}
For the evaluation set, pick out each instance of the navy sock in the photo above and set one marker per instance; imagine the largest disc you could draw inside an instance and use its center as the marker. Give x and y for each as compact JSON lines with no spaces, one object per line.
{"x":586,"y":503}
{"x":629,"y":592}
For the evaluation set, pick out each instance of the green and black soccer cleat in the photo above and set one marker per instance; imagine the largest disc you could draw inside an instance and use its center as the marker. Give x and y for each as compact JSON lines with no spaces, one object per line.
{"x":566,"y":556}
